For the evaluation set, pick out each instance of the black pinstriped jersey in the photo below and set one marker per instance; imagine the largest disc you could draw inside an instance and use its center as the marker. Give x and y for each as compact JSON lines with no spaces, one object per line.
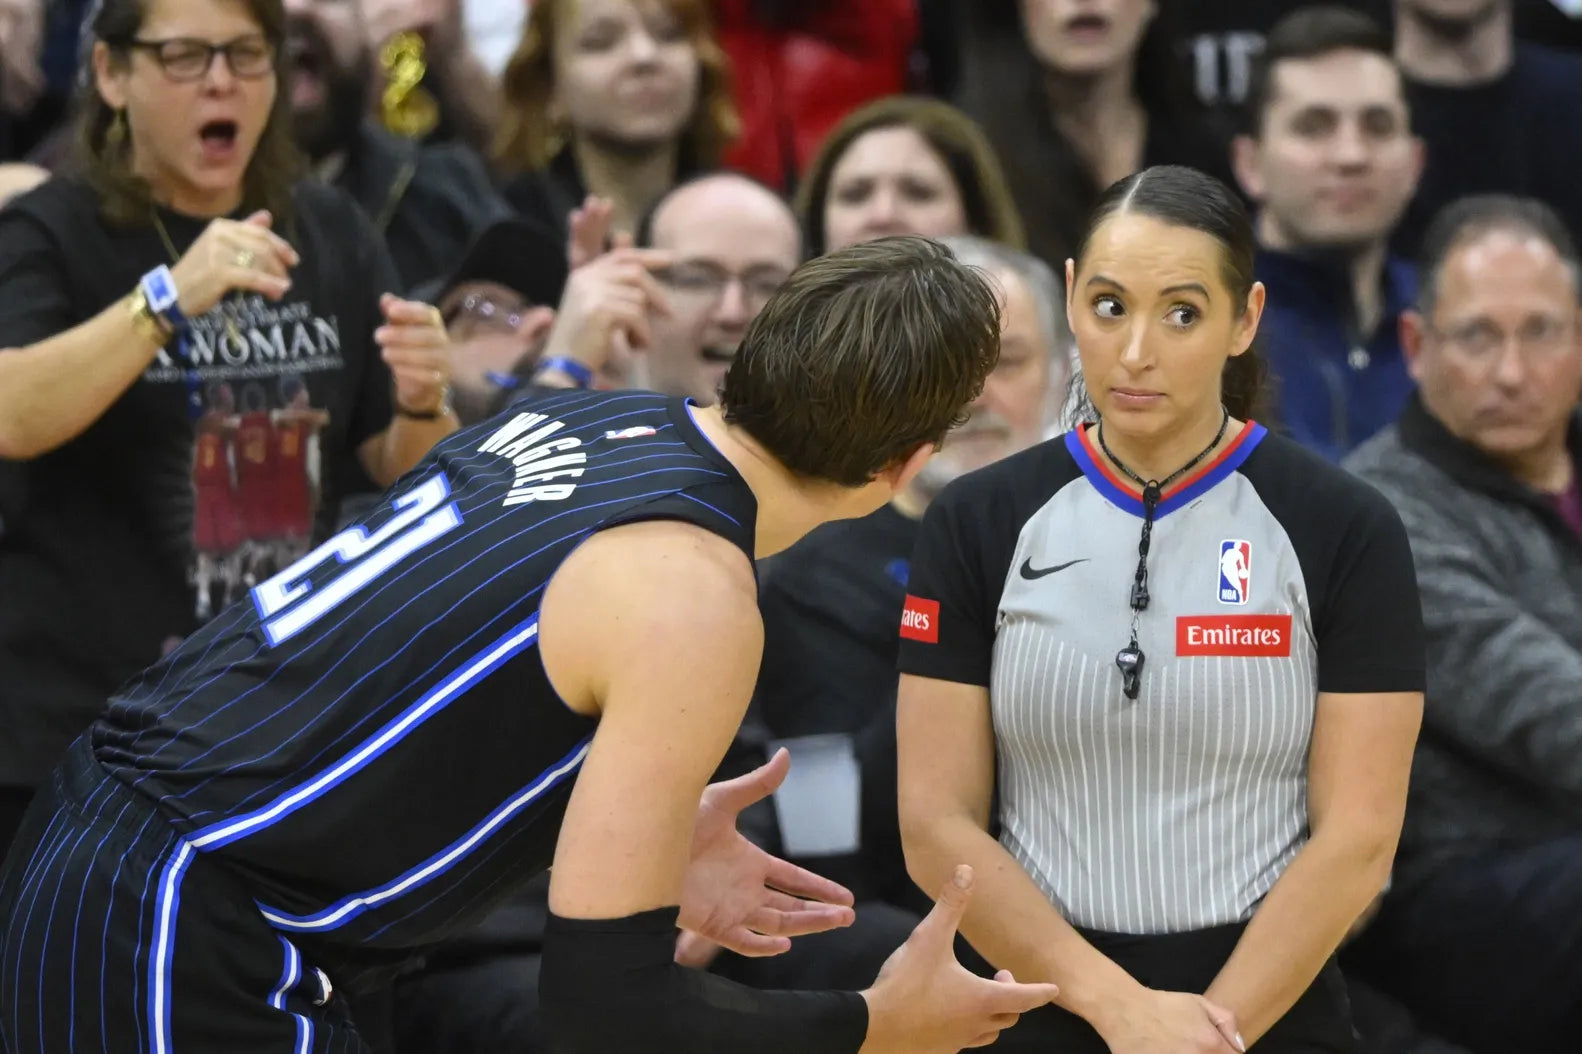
{"x":370,"y":739}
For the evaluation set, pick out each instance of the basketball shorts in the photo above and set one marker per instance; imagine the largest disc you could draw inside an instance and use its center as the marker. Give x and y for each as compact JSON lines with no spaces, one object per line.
{"x":117,"y":937}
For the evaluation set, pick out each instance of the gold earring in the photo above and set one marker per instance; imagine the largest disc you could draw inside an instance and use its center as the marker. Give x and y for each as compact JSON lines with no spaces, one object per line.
{"x":115,"y":135}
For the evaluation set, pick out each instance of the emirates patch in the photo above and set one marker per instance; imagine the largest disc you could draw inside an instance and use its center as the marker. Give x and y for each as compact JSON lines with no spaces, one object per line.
{"x":920,"y":620}
{"x":1238,"y":636}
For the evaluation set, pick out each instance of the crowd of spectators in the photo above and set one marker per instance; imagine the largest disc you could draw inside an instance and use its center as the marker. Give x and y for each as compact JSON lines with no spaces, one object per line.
{"x":608,"y":193}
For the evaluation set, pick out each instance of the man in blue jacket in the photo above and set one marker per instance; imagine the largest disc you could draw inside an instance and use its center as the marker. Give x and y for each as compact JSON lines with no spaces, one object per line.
{"x":1330,"y":158}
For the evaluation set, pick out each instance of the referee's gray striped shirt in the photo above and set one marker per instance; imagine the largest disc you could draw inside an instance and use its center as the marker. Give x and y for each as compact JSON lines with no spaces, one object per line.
{"x":1179,"y":810}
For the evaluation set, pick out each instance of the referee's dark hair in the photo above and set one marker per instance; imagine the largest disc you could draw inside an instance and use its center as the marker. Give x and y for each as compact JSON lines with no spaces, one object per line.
{"x":862,"y":356}
{"x":1309,"y":33}
{"x":1467,"y":219}
{"x":1185,"y":197}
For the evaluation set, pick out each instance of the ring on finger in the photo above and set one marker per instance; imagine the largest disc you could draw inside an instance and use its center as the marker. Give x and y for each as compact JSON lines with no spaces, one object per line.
{"x":243,"y":258}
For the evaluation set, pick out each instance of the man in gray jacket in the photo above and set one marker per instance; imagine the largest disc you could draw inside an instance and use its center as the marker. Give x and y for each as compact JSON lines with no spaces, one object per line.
{"x":1482,"y":932}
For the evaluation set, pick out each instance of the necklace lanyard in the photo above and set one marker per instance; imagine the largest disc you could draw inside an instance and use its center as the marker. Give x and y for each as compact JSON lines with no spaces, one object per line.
{"x":1129,"y":660}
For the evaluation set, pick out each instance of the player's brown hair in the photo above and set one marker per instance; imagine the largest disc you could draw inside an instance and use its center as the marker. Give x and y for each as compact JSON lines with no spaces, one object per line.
{"x":864,"y":355}
{"x":528,"y":138}
{"x":105,"y":159}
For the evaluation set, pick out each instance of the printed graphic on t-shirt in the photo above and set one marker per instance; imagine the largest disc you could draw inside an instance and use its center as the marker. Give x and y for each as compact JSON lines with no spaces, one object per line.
{"x":256,"y":475}
{"x":256,"y":465}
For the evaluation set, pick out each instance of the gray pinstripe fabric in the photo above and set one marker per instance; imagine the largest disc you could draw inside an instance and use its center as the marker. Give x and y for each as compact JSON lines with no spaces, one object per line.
{"x":1180,"y":810}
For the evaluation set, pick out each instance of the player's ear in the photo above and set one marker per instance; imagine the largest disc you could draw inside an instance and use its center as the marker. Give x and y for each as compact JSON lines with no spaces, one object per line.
{"x":901,"y":472}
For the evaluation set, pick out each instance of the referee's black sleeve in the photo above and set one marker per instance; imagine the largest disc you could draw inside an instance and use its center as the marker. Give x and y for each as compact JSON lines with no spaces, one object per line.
{"x":947,"y":625}
{"x":1370,"y":626}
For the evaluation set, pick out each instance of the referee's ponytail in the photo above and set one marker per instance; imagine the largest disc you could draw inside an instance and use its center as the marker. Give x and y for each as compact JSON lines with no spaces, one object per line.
{"x":1185,"y":197}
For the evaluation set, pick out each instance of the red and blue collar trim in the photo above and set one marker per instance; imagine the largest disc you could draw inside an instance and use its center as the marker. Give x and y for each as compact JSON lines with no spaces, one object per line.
{"x":1126,"y":497}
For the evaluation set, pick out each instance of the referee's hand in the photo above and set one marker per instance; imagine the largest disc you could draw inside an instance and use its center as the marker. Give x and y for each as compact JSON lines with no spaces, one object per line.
{"x":925,"y":1002}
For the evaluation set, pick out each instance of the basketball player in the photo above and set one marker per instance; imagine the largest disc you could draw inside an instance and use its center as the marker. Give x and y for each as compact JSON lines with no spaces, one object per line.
{"x":536,"y":652}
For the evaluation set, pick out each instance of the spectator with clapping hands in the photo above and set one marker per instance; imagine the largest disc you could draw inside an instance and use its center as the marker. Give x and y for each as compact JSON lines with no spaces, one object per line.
{"x":183,"y":265}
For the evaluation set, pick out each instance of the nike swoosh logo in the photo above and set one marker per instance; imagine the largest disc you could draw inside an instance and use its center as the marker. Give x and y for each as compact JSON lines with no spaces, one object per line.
{"x":1031,"y":573}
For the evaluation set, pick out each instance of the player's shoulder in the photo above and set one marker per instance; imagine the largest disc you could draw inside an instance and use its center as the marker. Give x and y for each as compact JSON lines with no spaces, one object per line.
{"x":667,"y":566}
{"x":657,"y":587}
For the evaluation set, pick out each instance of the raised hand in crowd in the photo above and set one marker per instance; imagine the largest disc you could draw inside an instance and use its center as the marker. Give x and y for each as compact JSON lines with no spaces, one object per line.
{"x":414,"y":344}
{"x":467,"y":92}
{"x":231,"y":255}
{"x":925,"y":1002}
{"x":21,"y":39}
{"x":604,"y":312}
{"x":588,"y":231}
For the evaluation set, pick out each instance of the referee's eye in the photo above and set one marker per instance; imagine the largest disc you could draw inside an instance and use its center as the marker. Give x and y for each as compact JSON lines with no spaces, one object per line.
{"x":1107,"y":307}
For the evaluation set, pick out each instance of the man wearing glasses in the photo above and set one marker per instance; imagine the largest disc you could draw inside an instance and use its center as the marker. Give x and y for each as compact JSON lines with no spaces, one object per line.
{"x":668,"y":317}
{"x":1481,"y":934}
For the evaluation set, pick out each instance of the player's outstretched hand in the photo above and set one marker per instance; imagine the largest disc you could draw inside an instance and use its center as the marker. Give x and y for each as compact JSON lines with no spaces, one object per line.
{"x":925,"y":1002}
{"x":741,"y":897}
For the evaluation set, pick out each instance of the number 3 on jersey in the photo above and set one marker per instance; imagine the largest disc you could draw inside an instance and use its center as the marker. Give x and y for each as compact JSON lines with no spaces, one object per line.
{"x":289,"y":604}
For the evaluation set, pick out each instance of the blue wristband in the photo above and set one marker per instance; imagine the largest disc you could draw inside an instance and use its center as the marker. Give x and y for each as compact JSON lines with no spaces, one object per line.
{"x":159,"y":289}
{"x":570,"y":367}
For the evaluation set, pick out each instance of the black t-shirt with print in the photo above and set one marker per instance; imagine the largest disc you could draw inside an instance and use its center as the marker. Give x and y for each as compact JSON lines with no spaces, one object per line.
{"x":125,"y":538}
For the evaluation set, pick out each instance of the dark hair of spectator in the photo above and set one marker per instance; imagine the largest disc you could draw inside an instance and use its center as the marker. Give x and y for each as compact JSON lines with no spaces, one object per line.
{"x":1185,"y":197}
{"x":124,"y":197}
{"x":529,"y":137}
{"x":865,"y":354}
{"x":1309,"y":33}
{"x":951,"y":134}
{"x":1004,"y":87}
{"x":1468,"y":219}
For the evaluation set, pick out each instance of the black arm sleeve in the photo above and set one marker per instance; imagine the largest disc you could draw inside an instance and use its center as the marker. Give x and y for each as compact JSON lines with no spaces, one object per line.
{"x":611,"y":986}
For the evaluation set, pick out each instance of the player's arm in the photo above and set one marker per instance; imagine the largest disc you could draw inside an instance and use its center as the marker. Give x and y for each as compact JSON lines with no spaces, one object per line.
{"x":1357,"y":776}
{"x":655,"y":626}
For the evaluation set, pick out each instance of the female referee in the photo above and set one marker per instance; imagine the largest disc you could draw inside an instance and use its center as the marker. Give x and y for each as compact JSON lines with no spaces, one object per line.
{"x":1192,"y":654}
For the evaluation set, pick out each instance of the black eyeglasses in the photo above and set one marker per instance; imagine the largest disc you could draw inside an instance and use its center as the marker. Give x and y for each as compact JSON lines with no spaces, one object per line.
{"x":186,"y":59}
{"x":707,"y":282}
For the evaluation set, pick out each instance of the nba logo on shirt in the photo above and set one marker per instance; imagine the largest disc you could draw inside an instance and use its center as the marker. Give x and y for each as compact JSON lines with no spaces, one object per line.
{"x":1235,"y":571}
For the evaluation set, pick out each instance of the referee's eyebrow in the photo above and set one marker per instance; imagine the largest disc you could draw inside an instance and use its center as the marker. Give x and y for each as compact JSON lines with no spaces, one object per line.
{"x":1180,"y":287}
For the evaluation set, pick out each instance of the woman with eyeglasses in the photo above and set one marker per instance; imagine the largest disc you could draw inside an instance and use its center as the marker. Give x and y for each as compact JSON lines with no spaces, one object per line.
{"x":181,"y":263}
{"x":1187,"y":653}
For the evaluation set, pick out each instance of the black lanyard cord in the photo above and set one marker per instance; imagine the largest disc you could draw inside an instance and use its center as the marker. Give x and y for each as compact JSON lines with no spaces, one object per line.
{"x":1129,"y":660}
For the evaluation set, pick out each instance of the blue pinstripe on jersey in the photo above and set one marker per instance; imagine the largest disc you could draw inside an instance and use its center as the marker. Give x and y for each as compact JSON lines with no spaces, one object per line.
{"x":403,"y":642}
